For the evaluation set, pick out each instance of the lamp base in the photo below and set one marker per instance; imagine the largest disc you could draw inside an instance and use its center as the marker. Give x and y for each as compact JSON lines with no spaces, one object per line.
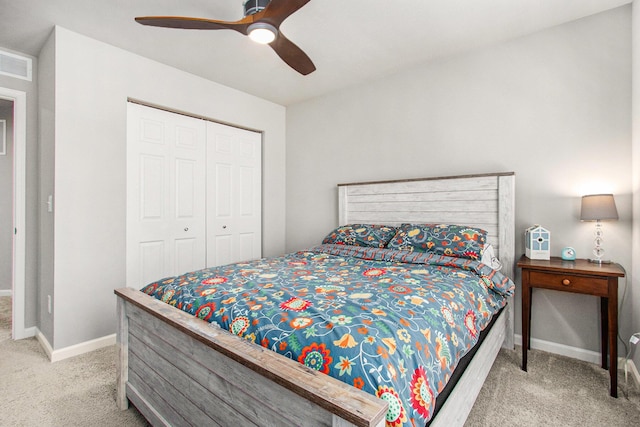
{"x":600,"y":261}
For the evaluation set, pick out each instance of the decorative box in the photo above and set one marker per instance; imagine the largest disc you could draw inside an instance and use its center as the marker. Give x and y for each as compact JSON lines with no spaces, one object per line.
{"x":537,"y":241}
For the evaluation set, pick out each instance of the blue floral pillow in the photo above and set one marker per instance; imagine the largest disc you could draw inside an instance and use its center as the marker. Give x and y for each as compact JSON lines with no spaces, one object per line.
{"x":375,"y":236}
{"x":442,"y":239}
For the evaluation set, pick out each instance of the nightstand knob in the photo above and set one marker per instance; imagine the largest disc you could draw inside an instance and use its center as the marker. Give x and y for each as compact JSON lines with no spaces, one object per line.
{"x":566,"y":282}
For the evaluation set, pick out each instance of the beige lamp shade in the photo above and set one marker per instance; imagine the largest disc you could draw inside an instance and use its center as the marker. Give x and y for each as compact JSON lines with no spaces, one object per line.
{"x":597,"y":207}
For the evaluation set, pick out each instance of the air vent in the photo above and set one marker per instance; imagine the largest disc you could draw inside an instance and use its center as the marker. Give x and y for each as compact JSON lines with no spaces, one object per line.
{"x":15,"y":65}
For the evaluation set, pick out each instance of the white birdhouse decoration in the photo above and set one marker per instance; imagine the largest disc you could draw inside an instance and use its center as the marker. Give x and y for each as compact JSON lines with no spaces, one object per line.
{"x":537,"y":242}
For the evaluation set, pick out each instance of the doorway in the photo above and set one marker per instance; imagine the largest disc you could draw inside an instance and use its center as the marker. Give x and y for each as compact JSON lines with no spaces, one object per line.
{"x":18,"y":137}
{"x":6,"y":216}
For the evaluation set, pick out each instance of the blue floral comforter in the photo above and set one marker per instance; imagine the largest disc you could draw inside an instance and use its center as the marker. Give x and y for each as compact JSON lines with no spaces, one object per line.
{"x":389,"y":322}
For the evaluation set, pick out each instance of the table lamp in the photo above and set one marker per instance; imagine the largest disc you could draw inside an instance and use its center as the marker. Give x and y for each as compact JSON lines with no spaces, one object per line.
{"x":598,"y":207}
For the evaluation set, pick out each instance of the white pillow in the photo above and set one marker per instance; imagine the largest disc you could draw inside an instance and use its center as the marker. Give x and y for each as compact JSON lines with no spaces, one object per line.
{"x":489,"y":258}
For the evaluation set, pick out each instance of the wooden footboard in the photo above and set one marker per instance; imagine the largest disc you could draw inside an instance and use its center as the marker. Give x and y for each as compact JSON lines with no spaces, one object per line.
{"x":179,"y":370}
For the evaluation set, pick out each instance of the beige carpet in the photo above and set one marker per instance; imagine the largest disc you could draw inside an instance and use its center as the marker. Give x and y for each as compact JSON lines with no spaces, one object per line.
{"x":557,"y":391}
{"x":5,"y":319}
{"x":75,"y":392}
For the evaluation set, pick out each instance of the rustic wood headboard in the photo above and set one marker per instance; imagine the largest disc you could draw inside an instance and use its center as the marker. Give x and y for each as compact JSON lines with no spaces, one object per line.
{"x":483,"y":201}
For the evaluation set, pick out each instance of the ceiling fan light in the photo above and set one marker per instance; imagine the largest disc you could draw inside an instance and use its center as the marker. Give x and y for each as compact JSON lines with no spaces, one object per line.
{"x":261,"y":32}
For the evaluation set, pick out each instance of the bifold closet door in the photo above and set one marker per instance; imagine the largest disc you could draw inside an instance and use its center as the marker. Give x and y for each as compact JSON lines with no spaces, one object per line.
{"x":166,"y":167}
{"x":234,"y":195}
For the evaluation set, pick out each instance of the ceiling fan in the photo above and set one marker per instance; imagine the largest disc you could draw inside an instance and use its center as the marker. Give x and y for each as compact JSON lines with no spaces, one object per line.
{"x":261,"y":22}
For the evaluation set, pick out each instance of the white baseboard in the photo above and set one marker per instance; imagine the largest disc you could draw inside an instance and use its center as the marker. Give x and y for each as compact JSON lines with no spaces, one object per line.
{"x":74,"y":350}
{"x":563,"y":350}
{"x":579,"y":353}
{"x":633,"y":370}
{"x":44,"y":343}
{"x":30,"y":332}
{"x":5,"y":292}
{"x":25,"y":333}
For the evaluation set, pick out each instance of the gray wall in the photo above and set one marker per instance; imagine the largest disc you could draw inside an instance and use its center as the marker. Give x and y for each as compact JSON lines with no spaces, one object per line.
{"x":554,"y":107}
{"x":92,"y":83}
{"x":6,"y":197}
{"x":46,"y":91}
{"x":634,"y":284}
{"x":31,"y":274}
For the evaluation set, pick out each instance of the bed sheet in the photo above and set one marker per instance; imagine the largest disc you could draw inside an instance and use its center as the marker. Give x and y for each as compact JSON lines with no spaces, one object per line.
{"x":391,"y":323}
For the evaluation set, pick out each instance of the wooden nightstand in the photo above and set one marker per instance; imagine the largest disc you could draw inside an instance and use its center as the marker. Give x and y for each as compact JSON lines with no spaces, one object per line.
{"x":579,"y":276}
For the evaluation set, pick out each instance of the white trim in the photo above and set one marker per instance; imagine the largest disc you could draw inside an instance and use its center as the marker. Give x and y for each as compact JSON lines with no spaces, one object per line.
{"x":19,"y":99}
{"x":83,"y":347}
{"x":5,"y":292}
{"x":3,"y":137}
{"x":74,"y":350}
{"x":44,"y":343}
{"x":30,"y":332}
{"x":573,"y":352}
{"x":580,"y":354}
{"x":563,"y":350}
{"x":633,"y":370}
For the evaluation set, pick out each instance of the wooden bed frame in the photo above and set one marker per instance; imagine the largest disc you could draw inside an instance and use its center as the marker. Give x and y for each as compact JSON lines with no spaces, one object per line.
{"x":179,"y":370}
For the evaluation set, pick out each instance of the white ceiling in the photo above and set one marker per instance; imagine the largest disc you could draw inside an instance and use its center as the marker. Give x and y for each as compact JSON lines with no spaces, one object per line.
{"x":350,"y":41}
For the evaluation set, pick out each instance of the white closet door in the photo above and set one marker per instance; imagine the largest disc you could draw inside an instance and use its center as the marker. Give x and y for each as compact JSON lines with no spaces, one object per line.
{"x":165,"y":194}
{"x":234,"y":219}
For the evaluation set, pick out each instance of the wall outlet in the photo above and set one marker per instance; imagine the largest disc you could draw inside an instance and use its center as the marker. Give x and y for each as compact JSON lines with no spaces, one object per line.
{"x":635,"y":338}
{"x":49,"y":303}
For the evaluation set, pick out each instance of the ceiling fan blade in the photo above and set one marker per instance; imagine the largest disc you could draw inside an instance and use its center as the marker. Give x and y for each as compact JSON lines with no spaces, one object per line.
{"x":279,"y":10}
{"x":292,"y":55}
{"x":274,"y":14}
{"x":183,"y":22}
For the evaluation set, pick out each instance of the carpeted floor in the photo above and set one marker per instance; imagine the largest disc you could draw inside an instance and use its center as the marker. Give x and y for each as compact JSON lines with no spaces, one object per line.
{"x":5,"y":319}
{"x":79,"y":391}
{"x":557,"y":391}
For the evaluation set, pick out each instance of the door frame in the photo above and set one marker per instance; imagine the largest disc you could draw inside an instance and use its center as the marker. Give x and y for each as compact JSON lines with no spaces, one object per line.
{"x":18,"y":286}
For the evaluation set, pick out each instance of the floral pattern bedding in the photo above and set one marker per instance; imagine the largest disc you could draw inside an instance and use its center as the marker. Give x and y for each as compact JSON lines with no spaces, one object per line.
{"x":392,"y":323}
{"x":371,"y":235}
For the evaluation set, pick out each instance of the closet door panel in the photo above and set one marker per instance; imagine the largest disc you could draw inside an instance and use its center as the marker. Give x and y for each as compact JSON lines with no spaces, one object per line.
{"x":151,"y":187}
{"x":166,"y":166}
{"x":186,"y":202}
{"x":186,"y":255}
{"x":223,"y":247}
{"x":151,"y":259}
{"x":234,"y":211}
{"x":194,"y":194}
{"x":223,"y":194}
{"x":247,"y":245}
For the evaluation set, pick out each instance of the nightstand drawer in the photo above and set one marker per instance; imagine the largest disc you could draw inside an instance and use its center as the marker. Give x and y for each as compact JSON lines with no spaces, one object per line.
{"x":570,"y":283}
